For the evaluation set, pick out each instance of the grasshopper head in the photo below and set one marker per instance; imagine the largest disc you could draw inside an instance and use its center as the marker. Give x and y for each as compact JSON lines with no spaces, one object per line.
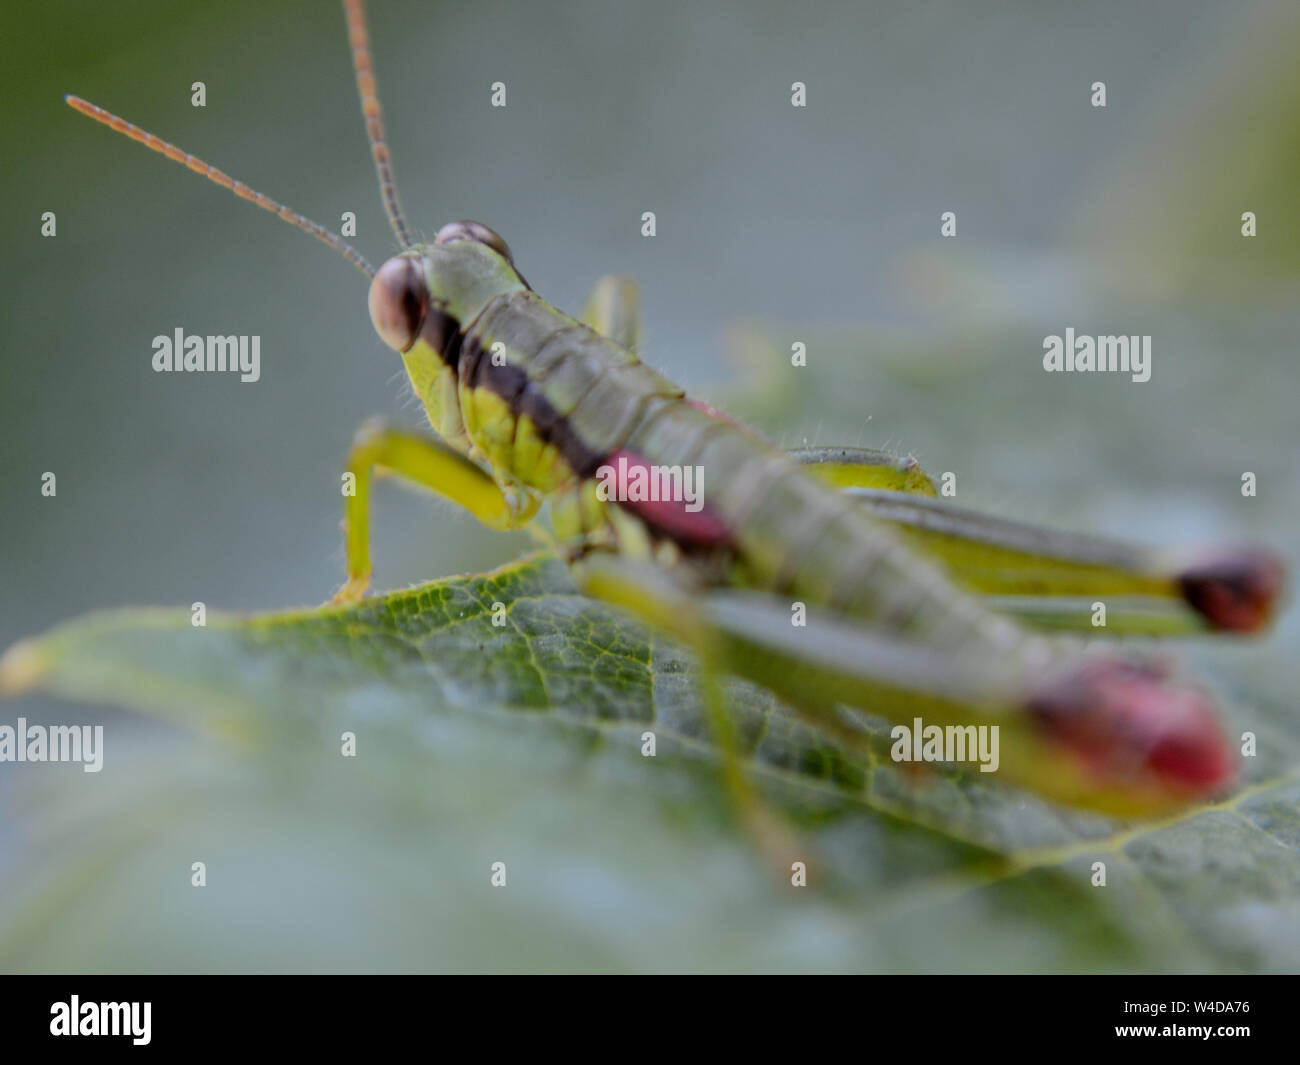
{"x":455,"y":276}
{"x":420,"y":301}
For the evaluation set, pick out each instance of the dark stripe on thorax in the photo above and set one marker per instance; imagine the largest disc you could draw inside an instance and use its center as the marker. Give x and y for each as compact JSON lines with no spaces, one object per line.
{"x":524,"y":397}
{"x":442,"y":333}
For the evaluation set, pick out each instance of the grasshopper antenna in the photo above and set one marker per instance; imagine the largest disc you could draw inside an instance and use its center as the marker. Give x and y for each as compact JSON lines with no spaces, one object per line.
{"x":241,"y":190}
{"x":360,"y":41}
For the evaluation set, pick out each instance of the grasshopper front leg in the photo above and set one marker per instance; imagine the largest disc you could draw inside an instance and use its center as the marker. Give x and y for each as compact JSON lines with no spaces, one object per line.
{"x":429,"y":463}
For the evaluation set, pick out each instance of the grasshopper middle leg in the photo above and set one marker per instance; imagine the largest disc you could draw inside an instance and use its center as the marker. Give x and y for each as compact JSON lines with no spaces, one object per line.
{"x":614,"y":310}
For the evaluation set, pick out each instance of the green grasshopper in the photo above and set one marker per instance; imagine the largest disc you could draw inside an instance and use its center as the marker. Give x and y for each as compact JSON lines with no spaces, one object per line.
{"x":534,"y":407}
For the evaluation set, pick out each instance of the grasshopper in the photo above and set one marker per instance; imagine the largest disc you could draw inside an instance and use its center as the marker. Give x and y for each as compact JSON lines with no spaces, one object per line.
{"x":533,"y":408}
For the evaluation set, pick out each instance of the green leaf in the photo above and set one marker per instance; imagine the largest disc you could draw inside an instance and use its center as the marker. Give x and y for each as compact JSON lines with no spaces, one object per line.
{"x":521,"y":743}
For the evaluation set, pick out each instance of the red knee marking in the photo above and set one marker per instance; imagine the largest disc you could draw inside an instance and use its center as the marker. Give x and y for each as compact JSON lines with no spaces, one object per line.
{"x":1235,"y":590}
{"x":1124,"y":720}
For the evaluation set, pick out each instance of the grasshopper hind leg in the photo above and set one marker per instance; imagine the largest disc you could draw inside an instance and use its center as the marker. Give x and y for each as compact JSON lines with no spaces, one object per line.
{"x":1053,"y":578}
{"x":1101,"y":731}
{"x":861,"y":467}
{"x":1037,"y":571}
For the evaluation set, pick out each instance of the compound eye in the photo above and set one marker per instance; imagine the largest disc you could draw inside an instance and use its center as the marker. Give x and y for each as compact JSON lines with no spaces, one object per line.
{"x":399,"y":301}
{"x":475,"y":231}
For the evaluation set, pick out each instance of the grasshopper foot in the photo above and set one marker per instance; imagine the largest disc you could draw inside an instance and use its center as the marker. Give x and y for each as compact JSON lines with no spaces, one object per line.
{"x":352,"y":591}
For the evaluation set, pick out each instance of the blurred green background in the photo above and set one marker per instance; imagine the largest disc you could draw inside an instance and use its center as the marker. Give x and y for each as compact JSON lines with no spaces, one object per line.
{"x":774,"y":224}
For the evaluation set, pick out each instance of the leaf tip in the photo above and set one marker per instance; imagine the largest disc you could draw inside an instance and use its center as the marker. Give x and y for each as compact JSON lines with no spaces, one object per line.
{"x":21,"y":667}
